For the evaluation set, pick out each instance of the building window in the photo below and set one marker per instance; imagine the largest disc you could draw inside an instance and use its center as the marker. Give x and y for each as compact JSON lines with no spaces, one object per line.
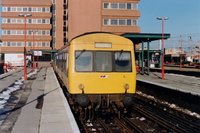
{"x":47,"y":9}
{"x":8,"y":9}
{"x":48,"y":44}
{"x":13,"y":20}
{"x":114,"y":5}
{"x":106,"y":21}
{"x":122,"y":6}
{"x":18,"y":32}
{"x":33,"y":21}
{"x":114,"y":22}
{"x":14,"y":9}
{"x":134,"y":22}
{"x":129,"y":22}
{"x":43,"y":44}
{"x":34,"y":9}
{"x":39,"y":21}
{"x":29,"y":44}
{"x":29,"y":9}
{"x":19,"y":9}
{"x":4,"y":20}
{"x":13,"y":32}
{"x":39,"y":9}
{"x":4,"y":32}
{"x":8,"y":20}
{"x":43,"y":32}
{"x":48,"y":32}
{"x":25,"y":9}
{"x":19,"y":44}
{"x":43,"y":21}
{"x":47,"y":21}
{"x":13,"y":44}
{"x":8,"y":44}
{"x":122,"y":22}
{"x":29,"y":20}
{"x":4,"y":9}
{"x":43,"y":9}
{"x":19,"y":20}
{"x":129,"y":6}
{"x":106,"y":5}
{"x":4,"y":44}
{"x":21,"y":32}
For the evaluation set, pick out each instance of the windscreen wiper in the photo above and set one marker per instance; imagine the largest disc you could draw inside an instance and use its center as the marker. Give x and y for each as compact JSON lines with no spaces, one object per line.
{"x":80,"y":54}
{"x":120,"y":54}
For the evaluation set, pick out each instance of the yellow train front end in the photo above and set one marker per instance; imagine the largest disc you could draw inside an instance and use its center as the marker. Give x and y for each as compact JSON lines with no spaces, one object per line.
{"x":101,"y":67}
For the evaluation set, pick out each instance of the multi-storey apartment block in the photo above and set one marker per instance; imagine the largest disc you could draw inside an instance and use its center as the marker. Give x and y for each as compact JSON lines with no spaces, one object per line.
{"x":38,"y":26}
{"x":58,"y":21}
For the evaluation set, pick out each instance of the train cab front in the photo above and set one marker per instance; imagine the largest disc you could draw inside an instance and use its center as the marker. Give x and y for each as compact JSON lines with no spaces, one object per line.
{"x":103,"y":77}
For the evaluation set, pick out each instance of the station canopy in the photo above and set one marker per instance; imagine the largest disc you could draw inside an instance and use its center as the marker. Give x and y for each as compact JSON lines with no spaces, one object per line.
{"x":144,"y":37}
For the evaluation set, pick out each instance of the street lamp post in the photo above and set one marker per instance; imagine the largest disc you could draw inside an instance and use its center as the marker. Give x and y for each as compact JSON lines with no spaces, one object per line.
{"x":181,"y":54}
{"x":34,"y":31}
{"x":37,"y":52}
{"x":160,"y":18}
{"x":25,"y":69}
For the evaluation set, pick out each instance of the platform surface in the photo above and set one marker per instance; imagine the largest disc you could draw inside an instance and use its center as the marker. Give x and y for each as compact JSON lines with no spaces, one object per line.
{"x":54,"y":116}
{"x":188,"y":84}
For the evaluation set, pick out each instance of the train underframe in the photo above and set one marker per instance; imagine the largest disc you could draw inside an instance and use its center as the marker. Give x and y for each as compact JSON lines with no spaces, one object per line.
{"x":104,"y":105}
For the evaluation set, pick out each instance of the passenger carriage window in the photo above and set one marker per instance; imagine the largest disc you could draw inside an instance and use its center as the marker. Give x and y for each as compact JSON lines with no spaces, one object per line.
{"x":103,"y":61}
{"x":83,"y":61}
{"x":123,"y":61}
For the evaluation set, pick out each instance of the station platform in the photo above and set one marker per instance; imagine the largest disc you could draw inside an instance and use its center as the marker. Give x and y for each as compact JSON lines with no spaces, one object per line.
{"x":184,"y":70}
{"x":45,"y":108}
{"x":175,"y":79}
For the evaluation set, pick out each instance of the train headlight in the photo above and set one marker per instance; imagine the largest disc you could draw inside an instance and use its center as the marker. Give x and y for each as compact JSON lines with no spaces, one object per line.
{"x":126,"y":86}
{"x":81,"y":86}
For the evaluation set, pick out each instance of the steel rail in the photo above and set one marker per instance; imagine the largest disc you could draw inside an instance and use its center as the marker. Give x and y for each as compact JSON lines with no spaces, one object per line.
{"x":158,"y":120}
{"x":171,"y":118}
{"x":123,"y":126}
{"x":136,"y":127}
{"x":104,"y":125}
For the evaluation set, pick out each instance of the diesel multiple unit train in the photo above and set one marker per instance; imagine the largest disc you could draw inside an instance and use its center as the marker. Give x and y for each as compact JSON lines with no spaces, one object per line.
{"x":98,"y":69}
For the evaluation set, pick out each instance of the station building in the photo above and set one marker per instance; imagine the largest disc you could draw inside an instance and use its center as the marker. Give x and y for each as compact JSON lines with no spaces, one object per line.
{"x":55,"y":22}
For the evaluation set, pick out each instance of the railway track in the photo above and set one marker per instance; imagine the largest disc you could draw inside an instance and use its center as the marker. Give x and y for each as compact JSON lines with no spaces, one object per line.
{"x":122,"y":125}
{"x":169,"y":119}
{"x":156,"y":120}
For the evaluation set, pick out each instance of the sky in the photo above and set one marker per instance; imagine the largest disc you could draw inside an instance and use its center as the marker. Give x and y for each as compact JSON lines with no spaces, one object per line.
{"x":184,"y":20}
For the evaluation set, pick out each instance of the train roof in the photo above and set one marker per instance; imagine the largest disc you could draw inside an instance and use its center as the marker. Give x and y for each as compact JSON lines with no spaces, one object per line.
{"x":84,"y":34}
{"x":136,"y":38}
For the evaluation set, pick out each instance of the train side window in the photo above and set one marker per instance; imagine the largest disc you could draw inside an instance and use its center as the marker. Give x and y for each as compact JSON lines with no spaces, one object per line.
{"x":123,"y":61}
{"x":103,"y":61}
{"x":83,"y":61}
